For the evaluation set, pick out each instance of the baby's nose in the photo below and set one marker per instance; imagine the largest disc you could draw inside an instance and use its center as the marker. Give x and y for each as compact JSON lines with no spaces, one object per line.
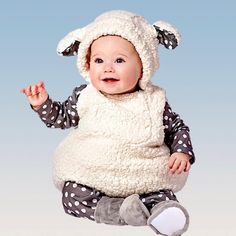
{"x":108,"y":67}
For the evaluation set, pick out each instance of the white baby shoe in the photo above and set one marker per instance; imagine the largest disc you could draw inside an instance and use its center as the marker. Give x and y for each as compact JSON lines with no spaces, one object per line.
{"x":169,"y":218}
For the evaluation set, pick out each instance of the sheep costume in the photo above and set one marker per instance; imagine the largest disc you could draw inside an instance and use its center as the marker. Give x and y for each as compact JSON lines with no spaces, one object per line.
{"x":125,"y":155}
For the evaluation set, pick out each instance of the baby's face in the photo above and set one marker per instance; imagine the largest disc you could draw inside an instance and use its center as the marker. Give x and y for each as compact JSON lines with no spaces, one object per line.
{"x":114,"y":65}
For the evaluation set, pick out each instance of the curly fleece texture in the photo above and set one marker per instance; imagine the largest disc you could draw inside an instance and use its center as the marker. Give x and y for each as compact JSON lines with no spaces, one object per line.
{"x":127,"y":25}
{"x":125,"y":153}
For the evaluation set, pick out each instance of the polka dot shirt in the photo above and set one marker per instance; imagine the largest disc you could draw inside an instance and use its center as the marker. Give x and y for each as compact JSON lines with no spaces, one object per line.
{"x":64,"y":115}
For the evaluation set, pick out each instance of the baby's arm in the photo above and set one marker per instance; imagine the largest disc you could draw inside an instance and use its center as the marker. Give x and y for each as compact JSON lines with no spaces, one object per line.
{"x":59,"y":115}
{"x":177,"y":138}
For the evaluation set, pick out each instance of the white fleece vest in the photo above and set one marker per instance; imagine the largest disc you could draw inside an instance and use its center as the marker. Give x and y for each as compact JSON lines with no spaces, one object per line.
{"x":118,"y":147}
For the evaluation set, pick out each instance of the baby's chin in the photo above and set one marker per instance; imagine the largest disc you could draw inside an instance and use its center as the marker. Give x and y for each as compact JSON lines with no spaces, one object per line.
{"x":118,"y":91}
{"x":111,"y":93}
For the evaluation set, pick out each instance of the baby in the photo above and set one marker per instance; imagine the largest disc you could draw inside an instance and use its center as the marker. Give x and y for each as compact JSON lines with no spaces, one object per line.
{"x":129,"y":152}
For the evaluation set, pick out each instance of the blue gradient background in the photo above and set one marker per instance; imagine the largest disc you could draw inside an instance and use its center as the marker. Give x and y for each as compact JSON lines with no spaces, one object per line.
{"x":199,"y":78}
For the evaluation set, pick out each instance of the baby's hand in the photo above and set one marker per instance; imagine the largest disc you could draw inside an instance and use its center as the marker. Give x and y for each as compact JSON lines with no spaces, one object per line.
{"x":179,"y":162}
{"x":36,"y":94}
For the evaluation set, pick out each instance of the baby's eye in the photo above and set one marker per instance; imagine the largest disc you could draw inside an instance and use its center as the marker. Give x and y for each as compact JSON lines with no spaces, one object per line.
{"x":98,"y":60}
{"x":120,"y":60}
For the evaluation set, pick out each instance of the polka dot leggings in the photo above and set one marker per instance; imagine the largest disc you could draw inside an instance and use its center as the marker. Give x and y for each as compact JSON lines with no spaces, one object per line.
{"x":81,"y":201}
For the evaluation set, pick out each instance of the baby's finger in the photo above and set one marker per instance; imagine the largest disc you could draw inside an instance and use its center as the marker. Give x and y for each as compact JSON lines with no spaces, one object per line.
{"x":41,"y":84}
{"x":27,"y":91}
{"x":22,"y":90}
{"x":182,"y":167}
{"x":187,"y":167}
{"x":34,"y":90}
{"x":175,"y":166}
{"x":171,"y":162}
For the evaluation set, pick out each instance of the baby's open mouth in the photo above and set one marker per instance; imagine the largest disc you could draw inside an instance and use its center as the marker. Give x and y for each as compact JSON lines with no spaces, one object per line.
{"x":110,"y":80}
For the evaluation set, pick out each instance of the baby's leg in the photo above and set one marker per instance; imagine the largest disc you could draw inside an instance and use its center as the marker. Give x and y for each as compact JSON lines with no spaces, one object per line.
{"x":79,"y":200}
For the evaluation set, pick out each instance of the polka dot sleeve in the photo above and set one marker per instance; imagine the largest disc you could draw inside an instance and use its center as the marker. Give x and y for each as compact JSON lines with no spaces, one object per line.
{"x":177,"y":136}
{"x":61,"y":115}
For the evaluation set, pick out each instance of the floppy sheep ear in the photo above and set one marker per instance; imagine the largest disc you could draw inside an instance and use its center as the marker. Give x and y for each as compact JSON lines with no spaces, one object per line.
{"x":167,"y":34}
{"x":69,"y":45}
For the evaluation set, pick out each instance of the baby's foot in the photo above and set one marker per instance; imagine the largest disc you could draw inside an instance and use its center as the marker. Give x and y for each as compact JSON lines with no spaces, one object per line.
{"x":169,"y":218}
{"x":107,"y":211}
{"x":133,"y":211}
